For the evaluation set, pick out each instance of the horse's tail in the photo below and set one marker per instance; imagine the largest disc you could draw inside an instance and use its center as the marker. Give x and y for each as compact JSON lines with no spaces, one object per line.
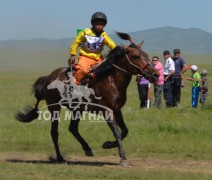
{"x":30,"y":113}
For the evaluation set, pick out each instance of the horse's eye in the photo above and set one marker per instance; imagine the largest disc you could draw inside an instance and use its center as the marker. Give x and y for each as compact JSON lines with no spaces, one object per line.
{"x":136,"y":57}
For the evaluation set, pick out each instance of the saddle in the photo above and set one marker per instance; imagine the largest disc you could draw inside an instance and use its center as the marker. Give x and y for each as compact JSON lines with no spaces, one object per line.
{"x":88,"y":78}
{"x":91,"y":75}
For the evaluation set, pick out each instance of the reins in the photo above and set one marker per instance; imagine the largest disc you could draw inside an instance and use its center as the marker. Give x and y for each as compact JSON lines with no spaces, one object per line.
{"x":132,"y":65}
{"x":136,"y":65}
{"x":121,"y":69}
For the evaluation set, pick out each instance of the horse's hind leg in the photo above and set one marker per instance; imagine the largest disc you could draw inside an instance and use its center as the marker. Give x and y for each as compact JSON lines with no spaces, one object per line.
{"x":73,"y":128}
{"x":124,"y":130}
{"x":113,"y":126}
{"x":55,"y":111}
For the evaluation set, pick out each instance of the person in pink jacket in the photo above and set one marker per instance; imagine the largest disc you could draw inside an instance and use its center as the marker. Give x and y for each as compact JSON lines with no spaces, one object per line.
{"x":158,"y":86}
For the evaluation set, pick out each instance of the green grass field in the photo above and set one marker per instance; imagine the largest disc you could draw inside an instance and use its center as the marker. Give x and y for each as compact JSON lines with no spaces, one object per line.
{"x":162,"y":143}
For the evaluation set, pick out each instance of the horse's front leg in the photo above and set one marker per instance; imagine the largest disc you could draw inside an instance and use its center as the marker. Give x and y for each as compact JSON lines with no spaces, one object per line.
{"x":124,"y":130}
{"x":113,"y":126}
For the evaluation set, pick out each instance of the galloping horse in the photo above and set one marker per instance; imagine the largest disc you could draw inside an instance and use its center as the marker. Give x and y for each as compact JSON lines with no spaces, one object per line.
{"x":112,"y":79}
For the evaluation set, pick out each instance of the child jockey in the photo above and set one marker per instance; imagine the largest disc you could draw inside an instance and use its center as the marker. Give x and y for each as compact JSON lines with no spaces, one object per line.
{"x":92,"y":41}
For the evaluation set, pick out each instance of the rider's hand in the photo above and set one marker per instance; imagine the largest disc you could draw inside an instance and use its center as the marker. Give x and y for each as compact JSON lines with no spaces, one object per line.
{"x":71,"y":60}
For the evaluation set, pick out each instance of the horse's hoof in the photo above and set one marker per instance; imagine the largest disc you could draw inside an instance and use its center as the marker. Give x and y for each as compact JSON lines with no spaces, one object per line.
{"x":52,"y":159}
{"x":89,"y":153}
{"x":61,"y":160}
{"x":58,"y":160}
{"x":109,"y":145}
{"x":124,"y":164}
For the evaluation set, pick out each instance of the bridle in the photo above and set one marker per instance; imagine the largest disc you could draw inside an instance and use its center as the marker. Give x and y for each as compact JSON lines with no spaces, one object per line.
{"x":130,"y":62}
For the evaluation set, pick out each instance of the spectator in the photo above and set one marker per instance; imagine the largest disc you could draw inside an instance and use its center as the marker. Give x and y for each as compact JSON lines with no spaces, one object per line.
{"x":158,"y":86}
{"x":142,"y":84}
{"x":203,"y":86}
{"x":180,"y":68}
{"x":169,"y":69}
{"x":195,"y":78}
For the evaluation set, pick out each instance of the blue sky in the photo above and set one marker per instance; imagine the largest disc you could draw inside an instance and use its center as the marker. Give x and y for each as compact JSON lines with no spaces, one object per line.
{"x":54,"y":19}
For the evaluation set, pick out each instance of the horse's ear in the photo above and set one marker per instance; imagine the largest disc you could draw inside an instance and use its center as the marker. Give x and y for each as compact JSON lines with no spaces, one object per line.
{"x":140,"y":44}
{"x":125,"y":47}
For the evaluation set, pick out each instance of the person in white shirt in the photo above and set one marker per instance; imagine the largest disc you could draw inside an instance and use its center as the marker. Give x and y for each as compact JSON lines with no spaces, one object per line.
{"x":169,"y":69}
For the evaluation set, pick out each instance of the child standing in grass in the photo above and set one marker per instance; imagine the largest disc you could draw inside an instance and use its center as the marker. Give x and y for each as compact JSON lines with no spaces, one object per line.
{"x":203,"y":86}
{"x":195,"y":78}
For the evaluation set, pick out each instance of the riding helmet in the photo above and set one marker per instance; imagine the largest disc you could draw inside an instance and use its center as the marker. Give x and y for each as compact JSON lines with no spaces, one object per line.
{"x":99,"y":15}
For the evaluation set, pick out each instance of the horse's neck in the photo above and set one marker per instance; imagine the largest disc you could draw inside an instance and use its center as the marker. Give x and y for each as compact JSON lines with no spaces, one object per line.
{"x":121,"y":78}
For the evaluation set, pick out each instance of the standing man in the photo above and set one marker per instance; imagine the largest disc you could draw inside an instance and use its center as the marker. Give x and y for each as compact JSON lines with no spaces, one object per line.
{"x":180,"y":68}
{"x":169,"y":69}
{"x":158,"y":86}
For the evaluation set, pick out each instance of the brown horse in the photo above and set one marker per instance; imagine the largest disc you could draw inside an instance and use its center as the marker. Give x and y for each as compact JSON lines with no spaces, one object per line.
{"x":112,"y":79}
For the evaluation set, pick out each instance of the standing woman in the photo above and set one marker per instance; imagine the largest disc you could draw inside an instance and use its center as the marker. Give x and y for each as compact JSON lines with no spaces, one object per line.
{"x":142,"y":84}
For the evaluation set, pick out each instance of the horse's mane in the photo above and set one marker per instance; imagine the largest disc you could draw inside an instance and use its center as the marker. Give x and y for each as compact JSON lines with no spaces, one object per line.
{"x":106,"y":67}
{"x":141,"y":51}
{"x":127,"y":37}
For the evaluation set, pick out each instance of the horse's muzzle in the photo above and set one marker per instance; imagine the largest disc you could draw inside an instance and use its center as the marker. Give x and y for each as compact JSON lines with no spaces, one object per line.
{"x":155,"y":77}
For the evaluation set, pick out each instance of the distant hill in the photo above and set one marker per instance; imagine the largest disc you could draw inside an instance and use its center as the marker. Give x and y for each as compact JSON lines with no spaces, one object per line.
{"x":37,"y":44}
{"x":191,"y":40}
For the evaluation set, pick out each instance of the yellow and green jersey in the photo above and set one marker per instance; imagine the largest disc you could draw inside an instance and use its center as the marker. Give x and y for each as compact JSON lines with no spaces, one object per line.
{"x":92,"y":45}
{"x":196,"y":76}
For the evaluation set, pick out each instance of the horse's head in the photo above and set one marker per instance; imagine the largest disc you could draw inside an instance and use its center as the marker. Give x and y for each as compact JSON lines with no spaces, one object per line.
{"x":138,"y":61}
